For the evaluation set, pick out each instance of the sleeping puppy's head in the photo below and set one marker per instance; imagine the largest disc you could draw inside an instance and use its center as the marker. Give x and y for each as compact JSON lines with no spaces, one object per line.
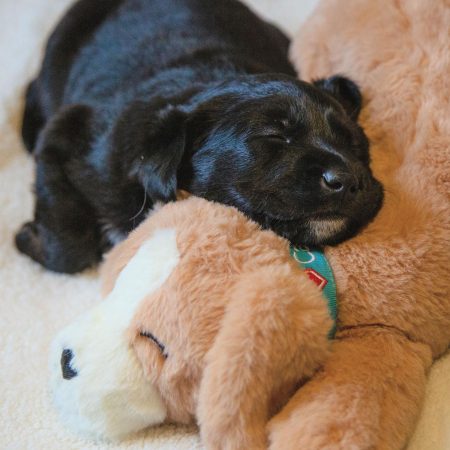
{"x":287,"y":153}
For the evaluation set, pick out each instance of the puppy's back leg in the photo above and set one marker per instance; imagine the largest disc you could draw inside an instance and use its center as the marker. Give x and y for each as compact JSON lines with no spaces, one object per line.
{"x":64,"y":236}
{"x":33,"y":118}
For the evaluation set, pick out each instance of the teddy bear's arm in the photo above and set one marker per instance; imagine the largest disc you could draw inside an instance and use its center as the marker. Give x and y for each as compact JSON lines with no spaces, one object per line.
{"x":367,"y":396}
{"x":274,"y":333}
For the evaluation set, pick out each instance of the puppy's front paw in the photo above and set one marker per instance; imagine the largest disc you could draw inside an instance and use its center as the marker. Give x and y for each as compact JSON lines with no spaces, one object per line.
{"x":28,"y":241}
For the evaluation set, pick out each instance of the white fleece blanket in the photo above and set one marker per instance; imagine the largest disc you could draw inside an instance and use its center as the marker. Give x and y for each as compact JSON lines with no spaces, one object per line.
{"x":34,"y":304}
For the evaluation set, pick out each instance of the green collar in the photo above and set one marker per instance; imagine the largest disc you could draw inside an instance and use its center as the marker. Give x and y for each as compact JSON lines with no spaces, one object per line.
{"x":319,"y":271}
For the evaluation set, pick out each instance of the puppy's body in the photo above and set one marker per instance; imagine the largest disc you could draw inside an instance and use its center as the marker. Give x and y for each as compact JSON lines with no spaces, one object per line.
{"x":109,"y":53}
{"x":139,"y":97}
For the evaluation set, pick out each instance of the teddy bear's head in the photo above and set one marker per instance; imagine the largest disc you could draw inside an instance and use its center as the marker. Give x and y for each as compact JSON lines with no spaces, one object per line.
{"x":98,"y":379}
{"x":206,"y":317}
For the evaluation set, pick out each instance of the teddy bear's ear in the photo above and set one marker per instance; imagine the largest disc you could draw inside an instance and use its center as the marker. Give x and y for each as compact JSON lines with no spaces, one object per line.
{"x":273,"y":334}
{"x":345,"y":91}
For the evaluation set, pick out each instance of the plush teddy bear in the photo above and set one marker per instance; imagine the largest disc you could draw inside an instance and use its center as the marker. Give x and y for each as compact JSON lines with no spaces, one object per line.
{"x":392,"y":280}
{"x":207,"y":317}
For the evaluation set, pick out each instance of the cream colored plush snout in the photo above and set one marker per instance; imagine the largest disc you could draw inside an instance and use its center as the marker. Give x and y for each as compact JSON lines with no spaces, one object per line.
{"x":106,"y":395}
{"x":97,"y":381}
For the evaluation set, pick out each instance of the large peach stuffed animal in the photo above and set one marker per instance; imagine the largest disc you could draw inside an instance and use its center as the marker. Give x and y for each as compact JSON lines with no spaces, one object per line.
{"x":393,"y":279}
{"x":206,"y":317}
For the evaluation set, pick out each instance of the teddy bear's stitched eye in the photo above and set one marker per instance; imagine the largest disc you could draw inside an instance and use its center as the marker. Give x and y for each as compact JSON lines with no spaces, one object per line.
{"x":160,"y":346}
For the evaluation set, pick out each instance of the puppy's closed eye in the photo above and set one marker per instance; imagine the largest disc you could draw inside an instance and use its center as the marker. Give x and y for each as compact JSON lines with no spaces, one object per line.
{"x":277,"y":133}
{"x":278,"y":137}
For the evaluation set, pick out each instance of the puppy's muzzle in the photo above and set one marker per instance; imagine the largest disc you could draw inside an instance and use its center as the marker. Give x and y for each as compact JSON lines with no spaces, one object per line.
{"x":335,"y":181}
{"x":345,"y":184}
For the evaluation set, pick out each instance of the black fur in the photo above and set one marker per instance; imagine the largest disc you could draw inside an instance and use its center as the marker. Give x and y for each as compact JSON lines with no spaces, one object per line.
{"x":137,"y":98}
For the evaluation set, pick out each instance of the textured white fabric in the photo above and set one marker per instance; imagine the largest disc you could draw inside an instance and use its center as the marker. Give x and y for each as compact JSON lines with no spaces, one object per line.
{"x":35,"y":304}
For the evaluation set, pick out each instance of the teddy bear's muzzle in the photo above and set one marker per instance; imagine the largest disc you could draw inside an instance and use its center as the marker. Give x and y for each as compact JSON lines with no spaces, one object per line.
{"x":100,"y":390}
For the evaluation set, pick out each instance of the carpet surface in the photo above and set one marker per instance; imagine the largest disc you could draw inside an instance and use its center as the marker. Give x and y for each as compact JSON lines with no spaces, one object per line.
{"x":35,"y":304}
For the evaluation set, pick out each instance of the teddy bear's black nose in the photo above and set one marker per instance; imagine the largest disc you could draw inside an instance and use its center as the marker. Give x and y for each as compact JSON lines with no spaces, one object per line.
{"x":67,"y":371}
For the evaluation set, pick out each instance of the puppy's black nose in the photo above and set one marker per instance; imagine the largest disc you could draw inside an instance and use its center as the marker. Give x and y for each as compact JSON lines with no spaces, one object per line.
{"x":335,"y":181}
{"x":67,"y":371}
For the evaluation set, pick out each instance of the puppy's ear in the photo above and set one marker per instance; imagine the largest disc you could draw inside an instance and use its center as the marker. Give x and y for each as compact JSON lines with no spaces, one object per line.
{"x":150,"y":146}
{"x":345,"y":91}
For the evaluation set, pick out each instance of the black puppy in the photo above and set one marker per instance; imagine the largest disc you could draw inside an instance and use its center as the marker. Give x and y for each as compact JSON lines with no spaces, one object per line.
{"x":137,"y":98}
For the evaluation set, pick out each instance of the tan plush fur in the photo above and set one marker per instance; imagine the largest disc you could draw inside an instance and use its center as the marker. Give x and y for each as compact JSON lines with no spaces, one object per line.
{"x":244,"y":327}
{"x":241,"y":322}
{"x":394,"y":303}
